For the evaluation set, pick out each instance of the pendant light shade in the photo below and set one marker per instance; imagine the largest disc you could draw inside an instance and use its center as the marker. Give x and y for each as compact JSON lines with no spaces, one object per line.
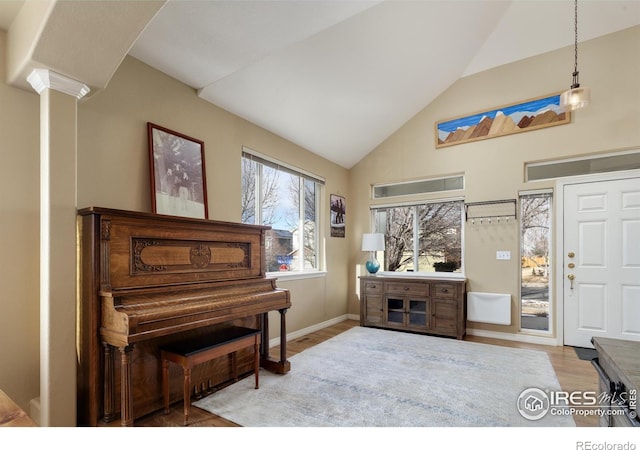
{"x":576,"y":97}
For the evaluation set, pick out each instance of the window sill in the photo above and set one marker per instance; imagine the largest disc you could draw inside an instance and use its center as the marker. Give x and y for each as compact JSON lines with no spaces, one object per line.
{"x":287,"y":276}
{"x":452,"y":275}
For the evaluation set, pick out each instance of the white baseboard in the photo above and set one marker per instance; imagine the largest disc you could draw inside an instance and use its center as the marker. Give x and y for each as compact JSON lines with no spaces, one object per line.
{"x":526,"y":338}
{"x":311,"y":329}
{"x":518,"y":337}
{"x":34,"y":409}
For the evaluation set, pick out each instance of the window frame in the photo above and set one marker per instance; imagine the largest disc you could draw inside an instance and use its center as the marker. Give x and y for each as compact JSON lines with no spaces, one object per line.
{"x":416,"y":232}
{"x":552,"y":303}
{"x":261,"y":161}
{"x":448,"y":183}
{"x":581,"y":166}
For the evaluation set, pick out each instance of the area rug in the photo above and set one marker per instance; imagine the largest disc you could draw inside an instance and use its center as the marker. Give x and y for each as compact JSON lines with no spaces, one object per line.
{"x":369,"y":377}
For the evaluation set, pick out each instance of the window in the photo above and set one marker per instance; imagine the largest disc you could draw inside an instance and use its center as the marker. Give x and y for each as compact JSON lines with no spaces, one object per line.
{"x":423,"y":237}
{"x":286,"y":199}
{"x":535,"y":226}
{"x":451,"y":183}
{"x":583,"y":166}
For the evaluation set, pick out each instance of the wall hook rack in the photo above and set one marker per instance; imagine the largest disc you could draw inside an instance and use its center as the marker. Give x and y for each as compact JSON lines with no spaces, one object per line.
{"x":493,"y":211}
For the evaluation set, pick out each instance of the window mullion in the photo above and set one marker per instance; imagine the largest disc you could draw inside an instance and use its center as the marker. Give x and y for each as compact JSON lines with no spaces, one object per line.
{"x":259,"y":194}
{"x":316,"y":229}
{"x":301,"y":222}
{"x":280,"y":210}
{"x":416,"y":243}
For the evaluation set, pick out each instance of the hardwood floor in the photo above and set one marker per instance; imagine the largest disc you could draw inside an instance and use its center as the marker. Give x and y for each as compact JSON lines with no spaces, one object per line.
{"x":573,"y":374}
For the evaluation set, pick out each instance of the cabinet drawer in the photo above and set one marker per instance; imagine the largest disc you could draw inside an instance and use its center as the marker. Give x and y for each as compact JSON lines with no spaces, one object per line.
{"x":372,"y":287}
{"x":443,"y":290}
{"x":408,"y":288}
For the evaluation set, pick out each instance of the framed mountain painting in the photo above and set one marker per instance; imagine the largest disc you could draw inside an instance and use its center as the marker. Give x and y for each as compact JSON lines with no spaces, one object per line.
{"x":528,"y":115}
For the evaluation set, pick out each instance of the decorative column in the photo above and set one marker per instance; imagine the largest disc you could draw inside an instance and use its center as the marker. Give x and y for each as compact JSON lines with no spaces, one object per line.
{"x":58,"y":161}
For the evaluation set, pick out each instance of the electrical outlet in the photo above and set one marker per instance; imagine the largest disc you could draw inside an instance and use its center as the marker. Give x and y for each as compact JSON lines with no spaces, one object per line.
{"x":503,"y":254}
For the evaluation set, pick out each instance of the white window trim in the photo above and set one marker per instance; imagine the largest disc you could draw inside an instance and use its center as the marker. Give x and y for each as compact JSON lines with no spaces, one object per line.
{"x":453,"y":275}
{"x":284,"y":165}
{"x":421,"y":180}
{"x":552,"y":301}
{"x":416,"y":202}
{"x":320,"y":183}
{"x":593,"y":157}
{"x":290,"y":276}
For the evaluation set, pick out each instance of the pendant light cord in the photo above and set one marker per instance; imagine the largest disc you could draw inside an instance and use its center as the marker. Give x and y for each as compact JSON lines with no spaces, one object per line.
{"x":576,"y":83}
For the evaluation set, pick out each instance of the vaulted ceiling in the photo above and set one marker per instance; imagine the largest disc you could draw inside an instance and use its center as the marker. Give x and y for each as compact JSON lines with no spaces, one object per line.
{"x":338,"y":77}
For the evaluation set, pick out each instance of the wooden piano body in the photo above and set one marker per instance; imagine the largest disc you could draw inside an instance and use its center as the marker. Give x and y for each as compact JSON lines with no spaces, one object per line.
{"x":147,"y":280}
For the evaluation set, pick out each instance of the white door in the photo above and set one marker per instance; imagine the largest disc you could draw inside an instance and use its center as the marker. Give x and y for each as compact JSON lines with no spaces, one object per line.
{"x":601,"y":258}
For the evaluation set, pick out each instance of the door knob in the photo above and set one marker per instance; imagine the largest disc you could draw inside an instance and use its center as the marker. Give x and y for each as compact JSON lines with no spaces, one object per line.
{"x":571,"y":254}
{"x":571,"y":277}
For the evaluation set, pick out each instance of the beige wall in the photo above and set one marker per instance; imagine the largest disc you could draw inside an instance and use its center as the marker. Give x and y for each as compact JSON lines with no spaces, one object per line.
{"x":113,"y":172}
{"x":19,"y":239}
{"x":494,"y":168}
{"x":113,"y":168}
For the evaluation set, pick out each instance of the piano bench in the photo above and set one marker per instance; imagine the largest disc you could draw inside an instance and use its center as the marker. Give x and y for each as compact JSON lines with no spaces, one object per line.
{"x":205,"y":348}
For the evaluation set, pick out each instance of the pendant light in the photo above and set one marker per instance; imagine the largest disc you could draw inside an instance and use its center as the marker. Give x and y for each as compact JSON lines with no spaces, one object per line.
{"x":576,"y":97}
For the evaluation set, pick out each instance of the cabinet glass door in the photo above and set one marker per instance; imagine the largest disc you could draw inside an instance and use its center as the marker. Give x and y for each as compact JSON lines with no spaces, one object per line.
{"x":395,"y":311}
{"x":418,"y":313}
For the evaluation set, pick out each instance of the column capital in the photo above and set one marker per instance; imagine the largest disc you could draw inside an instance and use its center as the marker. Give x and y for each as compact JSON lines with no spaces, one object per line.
{"x":41,"y":79}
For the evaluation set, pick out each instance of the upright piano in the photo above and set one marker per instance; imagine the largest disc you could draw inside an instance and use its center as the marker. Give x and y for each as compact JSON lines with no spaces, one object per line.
{"x":147,"y":280}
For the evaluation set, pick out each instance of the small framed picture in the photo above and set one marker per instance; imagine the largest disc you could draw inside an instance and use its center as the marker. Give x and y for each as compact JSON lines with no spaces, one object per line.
{"x":178,"y":184}
{"x":338,"y":212}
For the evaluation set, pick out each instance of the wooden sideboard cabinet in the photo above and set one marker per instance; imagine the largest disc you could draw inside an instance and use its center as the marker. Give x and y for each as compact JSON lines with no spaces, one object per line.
{"x":424,"y":305}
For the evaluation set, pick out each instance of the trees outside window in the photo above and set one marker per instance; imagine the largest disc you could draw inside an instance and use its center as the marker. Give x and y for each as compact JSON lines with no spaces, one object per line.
{"x":421,"y":238}
{"x":535,"y":241}
{"x":287,"y":201}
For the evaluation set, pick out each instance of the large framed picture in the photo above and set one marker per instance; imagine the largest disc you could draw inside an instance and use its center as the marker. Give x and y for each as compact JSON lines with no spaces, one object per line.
{"x":178,"y":184}
{"x":533,"y":114}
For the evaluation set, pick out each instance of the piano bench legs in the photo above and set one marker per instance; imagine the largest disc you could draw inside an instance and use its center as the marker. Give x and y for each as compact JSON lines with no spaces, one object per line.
{"x":203,"y":349}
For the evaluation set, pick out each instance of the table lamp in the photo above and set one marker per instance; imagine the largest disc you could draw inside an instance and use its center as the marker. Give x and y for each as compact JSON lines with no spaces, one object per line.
{"x":372,"y":242}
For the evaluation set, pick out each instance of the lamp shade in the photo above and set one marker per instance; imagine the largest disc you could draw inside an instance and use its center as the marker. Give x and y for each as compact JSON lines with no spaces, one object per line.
{"x":372,"y":242}
{"x":575,"y":98}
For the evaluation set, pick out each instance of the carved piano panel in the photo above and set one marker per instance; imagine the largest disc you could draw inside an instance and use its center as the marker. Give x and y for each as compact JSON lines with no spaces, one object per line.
{"x":149,"y":279}
{"x":142,"y":254}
